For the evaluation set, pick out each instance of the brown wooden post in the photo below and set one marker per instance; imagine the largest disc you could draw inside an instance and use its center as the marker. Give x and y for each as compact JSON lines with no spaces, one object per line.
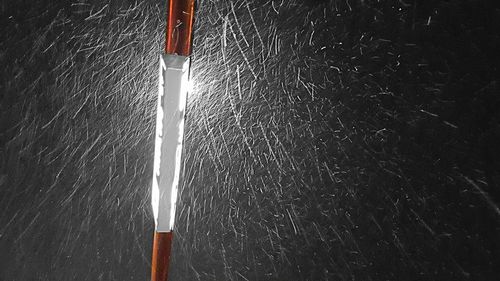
{"x":179,"y":27}
{"x":162,"y":245}
{"x":178,"y":42}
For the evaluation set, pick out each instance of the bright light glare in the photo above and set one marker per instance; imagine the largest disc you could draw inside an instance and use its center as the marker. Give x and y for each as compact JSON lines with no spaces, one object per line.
{"x":172,"y":94}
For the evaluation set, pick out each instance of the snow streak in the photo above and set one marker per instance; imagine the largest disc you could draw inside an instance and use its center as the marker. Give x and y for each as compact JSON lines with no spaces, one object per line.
{"x":325,"y":140}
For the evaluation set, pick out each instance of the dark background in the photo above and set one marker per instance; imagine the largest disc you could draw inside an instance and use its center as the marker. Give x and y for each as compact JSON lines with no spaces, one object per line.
{"x":326,"y":140}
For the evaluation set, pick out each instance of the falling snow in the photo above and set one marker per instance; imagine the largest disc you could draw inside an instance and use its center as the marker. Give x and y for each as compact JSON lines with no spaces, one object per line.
{"x":325,"y":140}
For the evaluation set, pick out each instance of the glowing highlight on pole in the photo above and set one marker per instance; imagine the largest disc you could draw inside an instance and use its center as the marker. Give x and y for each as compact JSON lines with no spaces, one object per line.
{"x":172,"y":95}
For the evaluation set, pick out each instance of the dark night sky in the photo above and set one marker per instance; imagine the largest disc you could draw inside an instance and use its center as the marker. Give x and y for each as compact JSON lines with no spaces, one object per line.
{"x":325,"y":140}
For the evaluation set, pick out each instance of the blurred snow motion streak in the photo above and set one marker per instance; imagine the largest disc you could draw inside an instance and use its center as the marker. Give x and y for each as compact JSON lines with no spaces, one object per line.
{"x":326,"y":140}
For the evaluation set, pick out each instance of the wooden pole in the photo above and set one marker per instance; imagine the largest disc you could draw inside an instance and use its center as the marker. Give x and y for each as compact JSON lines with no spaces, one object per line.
{"x":179,"y":27}
{"x":162,"y":246}
{"x":178,"y":42}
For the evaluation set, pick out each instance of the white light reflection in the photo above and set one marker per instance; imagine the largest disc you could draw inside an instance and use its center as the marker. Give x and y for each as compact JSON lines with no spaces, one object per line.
{"x":173,"y":89}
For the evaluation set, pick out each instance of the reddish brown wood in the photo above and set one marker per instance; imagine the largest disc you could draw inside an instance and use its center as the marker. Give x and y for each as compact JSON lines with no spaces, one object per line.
{"x":180,"y":27}
{"x":162,"y":246}
{"x":178,"y":41}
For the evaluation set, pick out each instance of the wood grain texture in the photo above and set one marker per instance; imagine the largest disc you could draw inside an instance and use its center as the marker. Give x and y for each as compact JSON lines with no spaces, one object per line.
{"x":179,"y":27}
{"x":162,"y":245}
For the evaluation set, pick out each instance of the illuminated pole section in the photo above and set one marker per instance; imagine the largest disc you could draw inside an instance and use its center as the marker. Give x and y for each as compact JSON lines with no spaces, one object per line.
{"x":172,"y":94}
